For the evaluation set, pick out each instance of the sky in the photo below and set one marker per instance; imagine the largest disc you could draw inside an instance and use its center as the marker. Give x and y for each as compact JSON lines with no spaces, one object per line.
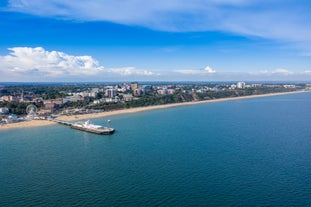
{"x":152,"y":40}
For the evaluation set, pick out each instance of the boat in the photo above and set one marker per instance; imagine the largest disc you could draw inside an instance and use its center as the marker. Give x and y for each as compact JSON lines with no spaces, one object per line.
{"x":89,"y":127}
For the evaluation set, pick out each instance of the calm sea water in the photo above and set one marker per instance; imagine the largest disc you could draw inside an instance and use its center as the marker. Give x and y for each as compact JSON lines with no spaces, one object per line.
{"x":254,"y":152}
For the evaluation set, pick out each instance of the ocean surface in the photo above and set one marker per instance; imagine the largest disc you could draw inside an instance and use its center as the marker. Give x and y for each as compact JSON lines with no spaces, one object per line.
{"x":250,"y":152}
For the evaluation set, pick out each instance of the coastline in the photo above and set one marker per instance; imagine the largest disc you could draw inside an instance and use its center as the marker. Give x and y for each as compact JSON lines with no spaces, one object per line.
{"x":40,"y":123}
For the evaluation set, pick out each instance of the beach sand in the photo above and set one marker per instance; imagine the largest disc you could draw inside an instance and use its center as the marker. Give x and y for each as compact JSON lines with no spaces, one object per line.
{"x":39,"y":123}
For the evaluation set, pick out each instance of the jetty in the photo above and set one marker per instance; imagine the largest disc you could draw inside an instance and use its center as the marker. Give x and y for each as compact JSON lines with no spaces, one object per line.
{"x":87,"y":126}
{"x":62,"y":122}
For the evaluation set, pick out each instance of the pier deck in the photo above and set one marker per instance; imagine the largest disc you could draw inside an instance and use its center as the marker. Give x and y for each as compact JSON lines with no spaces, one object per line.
{"x":97,"y":130}
{"x":63,"y":122}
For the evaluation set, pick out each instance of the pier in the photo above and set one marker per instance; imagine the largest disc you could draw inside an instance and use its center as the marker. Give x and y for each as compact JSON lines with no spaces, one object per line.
{"x":62,"y":122}
{"x":86,"y":126}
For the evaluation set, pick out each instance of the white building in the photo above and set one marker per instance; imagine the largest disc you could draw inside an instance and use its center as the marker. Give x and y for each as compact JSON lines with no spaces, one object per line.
{"x":8,"y":98}
{"x":170,"y":91}
{"x":255,"y":85}
{"x":240,"y":85}
{"x":72,"y":99}
{"x":115,"y":99}
{"x":127,"y":97}
{"x":289,"y":86}
{"x":163,"y":92}
{"x":98,"y":101}
{"x":232,"y":87}
{"x":4,"y":110}
{"x":111,"y":92}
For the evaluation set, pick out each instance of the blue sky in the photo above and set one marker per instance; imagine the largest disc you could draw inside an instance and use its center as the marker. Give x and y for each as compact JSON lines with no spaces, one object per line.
{"x":203,"y":40}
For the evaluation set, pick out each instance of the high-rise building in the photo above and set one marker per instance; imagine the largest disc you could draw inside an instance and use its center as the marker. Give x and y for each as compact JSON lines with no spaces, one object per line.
{"x":138,"y":92}
{"x":111,"y":92}
{"x":240,"y":85}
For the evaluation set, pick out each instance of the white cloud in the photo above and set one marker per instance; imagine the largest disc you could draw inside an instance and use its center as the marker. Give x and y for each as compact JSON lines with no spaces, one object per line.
{"x":276,"y":19}
{"x":282,"y":71}
{"x":25,"y":60}
{"x":279,"y":74}
{"x":307,"y":72}
{"x":38,"y":64}
{"x":206,"y":70}
{"x":278,"y":71}
{"x":263,"y":72}
{"x":188,"y":71}
{"x":128,"y":71}
{"x":209,"y":70}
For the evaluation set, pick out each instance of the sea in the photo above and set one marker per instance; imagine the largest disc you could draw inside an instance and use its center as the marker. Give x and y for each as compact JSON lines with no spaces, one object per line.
{"x":248,"y":152}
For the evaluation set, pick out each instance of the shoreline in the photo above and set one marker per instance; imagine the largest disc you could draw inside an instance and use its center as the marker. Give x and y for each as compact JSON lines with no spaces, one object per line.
{"x":40,"y":123}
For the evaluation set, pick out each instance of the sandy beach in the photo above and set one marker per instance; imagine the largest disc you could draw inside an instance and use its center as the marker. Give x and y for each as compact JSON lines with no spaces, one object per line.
{"x":39,"y":123}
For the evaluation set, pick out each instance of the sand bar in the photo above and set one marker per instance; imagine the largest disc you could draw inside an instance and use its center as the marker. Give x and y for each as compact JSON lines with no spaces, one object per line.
{"x":38,"y":123}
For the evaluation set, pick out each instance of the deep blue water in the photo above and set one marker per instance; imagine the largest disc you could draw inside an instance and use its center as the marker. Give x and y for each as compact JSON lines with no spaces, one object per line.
{"x":251,"y":152}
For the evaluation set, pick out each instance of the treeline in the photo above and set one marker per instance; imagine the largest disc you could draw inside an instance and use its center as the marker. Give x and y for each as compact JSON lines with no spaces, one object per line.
{"x":50,"y":92}
{"x":76,"y":104}
{"x":180,"y":97}
{"x":107,"y":106}
{"x":146,"y":100}
{"x":159,"y":100}
{"x":44,"y":91}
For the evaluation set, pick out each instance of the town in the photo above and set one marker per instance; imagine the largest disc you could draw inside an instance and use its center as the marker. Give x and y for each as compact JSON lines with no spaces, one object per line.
{"x":20,"y":102}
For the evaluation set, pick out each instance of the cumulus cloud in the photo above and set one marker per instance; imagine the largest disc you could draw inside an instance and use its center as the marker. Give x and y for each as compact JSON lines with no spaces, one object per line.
{"x":206,"y":70}
{"x":25,"y":60}
{"x":39,"y":63}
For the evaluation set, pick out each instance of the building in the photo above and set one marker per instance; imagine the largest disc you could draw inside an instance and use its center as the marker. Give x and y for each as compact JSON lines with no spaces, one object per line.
{"x":170,"y":91}
{"x":138,"y":92}
{"x":98,"y":101}
{"x":147,"y":88}
{"x":11,"y":119}
{"x":289,"y":86}
{"x":72,"y":99}
{"x":45,"y":111}
{"x":22,"y":97}
{"x":134,"y":86}
{"x":126,"y":87}
{"x":111,"y":92}
{"x":4,"y":110}
{"x":163,"y":91}
{"x":240,"y":85}
{"x":57,"y":102}
{"x":232,"y":87}
{"x":256,"y":85}
{"x":127,"y":97}
{"x":115,"y":99}
{"x":7,"y":98}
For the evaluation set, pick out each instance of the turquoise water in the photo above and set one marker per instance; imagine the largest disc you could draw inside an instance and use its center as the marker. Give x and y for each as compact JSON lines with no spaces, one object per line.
{"x":252,"y":152}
